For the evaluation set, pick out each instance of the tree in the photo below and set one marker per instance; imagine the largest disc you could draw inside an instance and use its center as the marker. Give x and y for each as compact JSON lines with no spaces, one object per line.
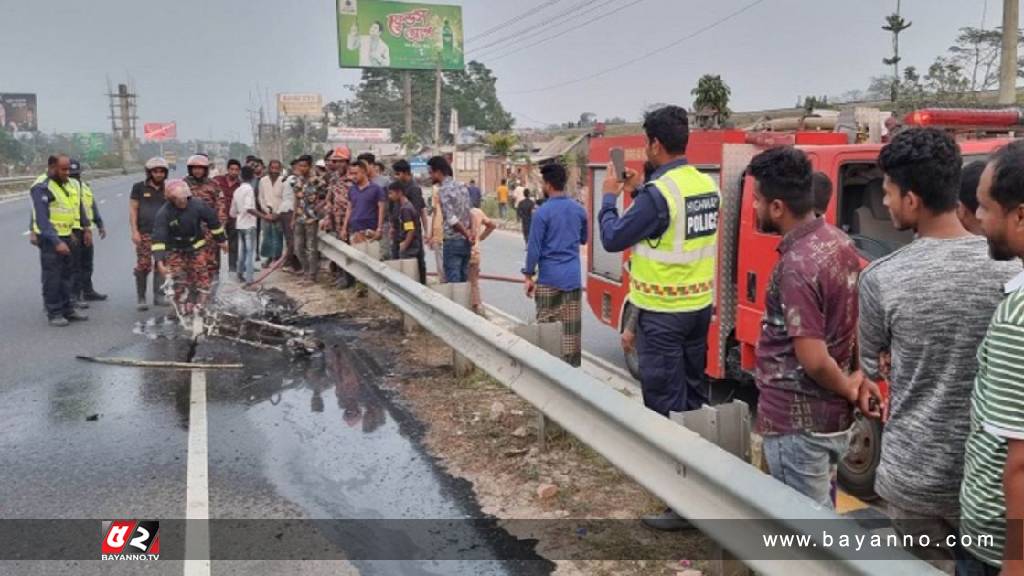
{"x":712,"y":95}
{"x":895,"y":24}
{"x":11,"y":151}
{"x":474,"y":94}
{"x":502,"y":143}
{"x":587,"y":119}
{"x":977,"y":52}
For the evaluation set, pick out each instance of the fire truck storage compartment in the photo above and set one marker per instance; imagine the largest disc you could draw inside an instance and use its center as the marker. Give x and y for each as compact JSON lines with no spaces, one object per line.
{"x":606,"y":264}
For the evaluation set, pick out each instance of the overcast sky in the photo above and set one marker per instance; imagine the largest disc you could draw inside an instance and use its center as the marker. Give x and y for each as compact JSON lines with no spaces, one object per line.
{"x":203,"y":63}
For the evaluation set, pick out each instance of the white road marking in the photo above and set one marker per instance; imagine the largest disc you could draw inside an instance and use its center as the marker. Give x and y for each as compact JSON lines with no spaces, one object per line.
{"x":197,"y":490}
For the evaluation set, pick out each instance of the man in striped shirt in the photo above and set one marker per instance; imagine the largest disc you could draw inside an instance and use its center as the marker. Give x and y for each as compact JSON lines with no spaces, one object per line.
{"x":992,"y":493}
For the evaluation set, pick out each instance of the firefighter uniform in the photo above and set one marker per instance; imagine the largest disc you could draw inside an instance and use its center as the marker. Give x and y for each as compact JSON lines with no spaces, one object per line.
{"x":673,"y":229}
{"x":56,"y":212}
{"x":180,"y":241}
{"x":209,"y":193}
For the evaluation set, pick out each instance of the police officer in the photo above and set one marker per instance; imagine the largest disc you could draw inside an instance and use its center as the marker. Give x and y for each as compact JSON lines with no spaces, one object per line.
{"x":82,"y":289}
{"x":55,"y":213}
{"x":672,"y":229}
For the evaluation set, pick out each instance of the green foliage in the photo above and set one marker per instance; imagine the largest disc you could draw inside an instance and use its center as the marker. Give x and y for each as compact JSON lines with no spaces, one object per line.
{"x":377,"y":101}
{"x":712,"y":93}
{"x":502,"y":143}
{"x":11,"y":151}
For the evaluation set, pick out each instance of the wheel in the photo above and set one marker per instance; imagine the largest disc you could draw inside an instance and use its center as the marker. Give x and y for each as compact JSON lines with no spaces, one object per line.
{"x":857,"y":468}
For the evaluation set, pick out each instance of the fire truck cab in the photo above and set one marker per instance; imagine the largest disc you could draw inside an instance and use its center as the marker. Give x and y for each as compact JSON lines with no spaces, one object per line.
{"x":747,"y":256}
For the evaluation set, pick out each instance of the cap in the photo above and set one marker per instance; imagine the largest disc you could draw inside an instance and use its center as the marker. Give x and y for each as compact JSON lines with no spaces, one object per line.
{"x":76,"y":168}
{"x":341,"y":153}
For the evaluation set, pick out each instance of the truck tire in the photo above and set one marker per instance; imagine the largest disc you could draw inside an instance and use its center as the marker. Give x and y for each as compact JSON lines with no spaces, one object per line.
{"x":856,"y":473}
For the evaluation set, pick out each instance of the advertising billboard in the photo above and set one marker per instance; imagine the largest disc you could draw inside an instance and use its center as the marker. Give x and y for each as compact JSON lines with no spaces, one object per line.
{"x":160,"y":131}
{"x":301,"y":104}
{"x":18,"y":112}
{"x":399,"y":35}
{"x":344,"y":134}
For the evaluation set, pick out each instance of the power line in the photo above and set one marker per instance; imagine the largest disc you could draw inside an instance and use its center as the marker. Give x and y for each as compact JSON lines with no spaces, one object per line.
{"x":648,"y":54}
{"x":551,"y":37}
{"x":513,"y":20}
{"x":566,"y":14}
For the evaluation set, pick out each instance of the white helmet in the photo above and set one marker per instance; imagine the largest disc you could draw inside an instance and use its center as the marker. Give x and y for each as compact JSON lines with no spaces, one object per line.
{"x":198,"y":160}
{"x":157,"y":162}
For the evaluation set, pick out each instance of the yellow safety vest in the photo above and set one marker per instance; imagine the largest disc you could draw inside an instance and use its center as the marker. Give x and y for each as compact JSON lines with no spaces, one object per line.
{"x":676,"y":272}
{"x":88,"y":202}
{"x":65,"y":210}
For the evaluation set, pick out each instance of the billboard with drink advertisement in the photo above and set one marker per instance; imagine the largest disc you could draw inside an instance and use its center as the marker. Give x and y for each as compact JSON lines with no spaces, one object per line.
{"x":399,"y":35}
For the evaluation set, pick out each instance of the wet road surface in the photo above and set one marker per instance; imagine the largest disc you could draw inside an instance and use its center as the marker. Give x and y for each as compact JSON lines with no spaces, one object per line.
{"x":302,"y":441}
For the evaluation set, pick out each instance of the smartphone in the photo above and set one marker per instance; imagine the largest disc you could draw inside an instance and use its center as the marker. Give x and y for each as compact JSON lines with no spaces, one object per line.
{"x":619,"y":162}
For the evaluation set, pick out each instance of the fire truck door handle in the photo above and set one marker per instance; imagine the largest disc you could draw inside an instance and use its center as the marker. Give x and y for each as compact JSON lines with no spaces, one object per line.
{"x":752,"y":287}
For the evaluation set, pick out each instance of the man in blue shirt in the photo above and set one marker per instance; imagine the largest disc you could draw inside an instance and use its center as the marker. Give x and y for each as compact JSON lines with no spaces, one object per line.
{"x":559,"y":228}
{"x":475,"y":195}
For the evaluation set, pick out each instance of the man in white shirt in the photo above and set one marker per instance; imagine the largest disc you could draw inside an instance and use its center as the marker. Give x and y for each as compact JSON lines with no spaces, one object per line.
{"x":243,"y":210}
{"x":271,"y":194}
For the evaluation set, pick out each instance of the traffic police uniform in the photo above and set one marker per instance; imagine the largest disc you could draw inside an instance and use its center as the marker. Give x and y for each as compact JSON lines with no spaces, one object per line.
{"x":82,"y":288}
{"x":56,"y":212}
{"x":672,"y":228}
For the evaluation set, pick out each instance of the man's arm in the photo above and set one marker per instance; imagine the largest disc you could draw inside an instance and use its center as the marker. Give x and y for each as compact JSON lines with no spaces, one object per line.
{"x":538,"y":229}
{"x":584,"y":229}
{"x":1013,"y":488}
{"x":489,"y":227}
{"x":41,"y":205}
{"x":872,"y":327}
{"x":96,"y":218}
{"x":638,"y":223}
{"x":382,"y":206}
{"x":161,"y":234}
{"x":206,"y":214}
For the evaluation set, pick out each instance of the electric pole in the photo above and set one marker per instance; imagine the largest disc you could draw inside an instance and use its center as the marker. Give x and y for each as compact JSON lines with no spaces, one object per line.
{"x":437,"y":106}
{"x":1008,"y":65}
{"x":407,"y":99}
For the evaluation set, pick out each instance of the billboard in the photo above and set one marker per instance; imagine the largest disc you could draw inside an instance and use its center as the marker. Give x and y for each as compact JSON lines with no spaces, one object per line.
{"x":303,"y":104}
{"x":160,"y":131}
{"x":345,"y":134}
{"x":399,"y":35}
{"x":18,"y":112}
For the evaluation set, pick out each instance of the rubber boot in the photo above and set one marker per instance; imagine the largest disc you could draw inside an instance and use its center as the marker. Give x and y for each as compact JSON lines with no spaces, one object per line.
{"x":158,"y":287}
{"x":140,"y":291}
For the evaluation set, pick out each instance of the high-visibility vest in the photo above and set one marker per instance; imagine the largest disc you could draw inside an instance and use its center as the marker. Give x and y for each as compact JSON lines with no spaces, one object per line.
{"x":676,"y":272}
{"x":88,"y":201}
{"x":65,"y":210}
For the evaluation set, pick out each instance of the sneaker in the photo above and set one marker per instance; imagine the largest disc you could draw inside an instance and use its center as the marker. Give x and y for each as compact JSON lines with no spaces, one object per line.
{"x":76,"y":316}
{"x":80,"y":304}
{"x":667,"y":521}
{"x":95,"y":296}
{"x":59,"y":322}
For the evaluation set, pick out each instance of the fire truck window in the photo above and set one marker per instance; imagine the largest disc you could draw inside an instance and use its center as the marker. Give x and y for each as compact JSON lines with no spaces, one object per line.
{"x":862,"y":212}
{"x":604,"y":263}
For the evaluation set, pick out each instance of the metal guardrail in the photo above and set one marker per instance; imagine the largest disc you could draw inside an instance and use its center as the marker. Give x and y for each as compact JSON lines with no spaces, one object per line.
{"x":13,"y":181}
{"x":723,"y":496}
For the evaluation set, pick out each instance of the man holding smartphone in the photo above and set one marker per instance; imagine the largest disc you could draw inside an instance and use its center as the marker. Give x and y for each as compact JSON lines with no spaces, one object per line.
{"x":672,"y":229}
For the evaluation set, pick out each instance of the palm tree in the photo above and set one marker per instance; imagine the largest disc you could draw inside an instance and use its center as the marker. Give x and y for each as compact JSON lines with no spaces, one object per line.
{"x":712,"y":94}
{"x":894,"y":23}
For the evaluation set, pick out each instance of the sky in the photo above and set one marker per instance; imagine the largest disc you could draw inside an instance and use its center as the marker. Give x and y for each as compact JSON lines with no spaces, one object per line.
{"x":203,"y":64}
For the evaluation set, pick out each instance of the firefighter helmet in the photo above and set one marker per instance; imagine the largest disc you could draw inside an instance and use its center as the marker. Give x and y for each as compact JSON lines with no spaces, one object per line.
{"x":198,"y":160}
{"x":157,"y":163}
{"x":341,"y":153}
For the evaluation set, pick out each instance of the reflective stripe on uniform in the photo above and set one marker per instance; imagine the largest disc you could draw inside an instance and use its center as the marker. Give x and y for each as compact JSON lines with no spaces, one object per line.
{"x":676,"y":257}
{"x":217,"y":231}
{"x":685,"y":290}
{"x":199,"y":244}
{"x":158,"y":246}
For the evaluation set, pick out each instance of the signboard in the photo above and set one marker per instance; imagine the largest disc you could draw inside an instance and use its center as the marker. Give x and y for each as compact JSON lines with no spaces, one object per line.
{"x":344,"y":134}
{"x":18,"y":112}
{"x":160,"y":131}
{"x":399,"y":35}
{"x":91,"y":145}
{"x":304,"y":104}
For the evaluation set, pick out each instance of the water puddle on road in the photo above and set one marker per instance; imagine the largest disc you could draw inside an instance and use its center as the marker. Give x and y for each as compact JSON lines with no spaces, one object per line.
{"x":320,"y":440}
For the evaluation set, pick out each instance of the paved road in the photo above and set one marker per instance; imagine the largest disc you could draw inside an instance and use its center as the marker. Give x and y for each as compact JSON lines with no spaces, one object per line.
{"x":279,"y":440}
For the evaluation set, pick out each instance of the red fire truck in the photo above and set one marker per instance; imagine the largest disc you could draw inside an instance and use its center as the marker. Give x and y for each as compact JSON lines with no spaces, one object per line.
{"x":746,"y":256}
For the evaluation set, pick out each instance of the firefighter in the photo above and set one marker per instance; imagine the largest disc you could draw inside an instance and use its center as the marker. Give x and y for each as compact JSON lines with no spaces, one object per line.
{"x":82,"y":289}
{"x":672,"y":229}
{"x":147,"y":197}
{"x":55,"y":213}
{"x":204,"y":188}
{"x":180,"y":234}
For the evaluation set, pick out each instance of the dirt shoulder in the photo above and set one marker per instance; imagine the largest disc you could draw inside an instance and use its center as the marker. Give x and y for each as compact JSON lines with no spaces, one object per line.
{"x":567,"y":497}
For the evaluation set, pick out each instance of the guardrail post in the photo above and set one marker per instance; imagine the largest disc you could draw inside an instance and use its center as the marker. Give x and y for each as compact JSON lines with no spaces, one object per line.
{"x":371,"y":249}
{"x":458,"y":293}
{"x":726,"y":426}
{"x":410,"y":268}
{"x":548,"y":337}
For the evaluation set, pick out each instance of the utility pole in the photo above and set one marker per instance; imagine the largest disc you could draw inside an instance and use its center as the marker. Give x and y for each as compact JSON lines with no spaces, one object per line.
{"x":122,"y":121}
{"x":407,"y":99}
{"x":437,"y":106}
{"x":1008,"y":65}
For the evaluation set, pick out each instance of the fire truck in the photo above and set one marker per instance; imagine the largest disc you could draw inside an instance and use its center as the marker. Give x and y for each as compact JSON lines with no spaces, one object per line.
{"x":747,"y":256}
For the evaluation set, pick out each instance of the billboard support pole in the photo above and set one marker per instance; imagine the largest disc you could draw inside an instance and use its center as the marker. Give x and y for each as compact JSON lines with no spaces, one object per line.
{"x":407,"y":99}
{"x":437,"y":105}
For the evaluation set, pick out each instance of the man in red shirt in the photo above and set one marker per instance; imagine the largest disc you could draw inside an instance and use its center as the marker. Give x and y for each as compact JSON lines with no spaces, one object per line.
{"x":228,"y":183}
